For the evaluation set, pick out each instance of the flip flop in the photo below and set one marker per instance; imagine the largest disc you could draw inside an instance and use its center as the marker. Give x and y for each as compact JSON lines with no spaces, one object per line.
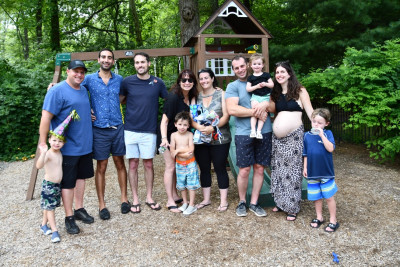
{"x":153,"y":204}
{"x":318,"y":222}
{"x":332,"y":226}
{"x":223,"y":208}
{"x":291,"y":216}
{"x":202,"y":205}
{"x":178,"y":201}
{"x":174,"y":208}
{"x":137,"y":207}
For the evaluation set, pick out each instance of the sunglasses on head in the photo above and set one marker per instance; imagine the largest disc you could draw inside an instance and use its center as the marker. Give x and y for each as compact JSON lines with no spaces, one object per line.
{"x":187,"y":80}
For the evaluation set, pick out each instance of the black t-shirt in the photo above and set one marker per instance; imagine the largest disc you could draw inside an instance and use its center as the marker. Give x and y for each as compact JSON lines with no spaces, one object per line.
{"x":254,"y":80}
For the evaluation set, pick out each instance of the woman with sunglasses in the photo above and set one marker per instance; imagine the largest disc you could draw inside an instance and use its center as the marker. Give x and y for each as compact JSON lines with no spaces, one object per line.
{"x":288,"y":100}
{"x":182,"y":94}
{"x":217,"y":150}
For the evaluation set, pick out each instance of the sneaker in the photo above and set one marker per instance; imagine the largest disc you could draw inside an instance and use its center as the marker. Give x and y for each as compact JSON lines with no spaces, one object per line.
{"x":125,"y":207}
{"x":183,"y":207}
{"x":82,"y":215}
{"x":55,"y":238}
{"x":253,"y":134}
{"x":259,"y":135}
{"x":189,"y":210}
{"x":104,"y":214}
{"x":71,"y":226}
{"x":241,"y":209}
{"x":260,"y":212}
{"x":45,"y":229}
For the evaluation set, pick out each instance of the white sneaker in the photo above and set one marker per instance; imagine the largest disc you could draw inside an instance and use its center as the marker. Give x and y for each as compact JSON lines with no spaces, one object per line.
{"x":259,"y":135}
{"x":183,"y":207}
{"x":189,"y":210}
{"x":253,"y":134}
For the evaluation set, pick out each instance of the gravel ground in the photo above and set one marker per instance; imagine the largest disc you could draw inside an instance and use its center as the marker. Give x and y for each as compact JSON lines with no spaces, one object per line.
{"x":367,"y":203}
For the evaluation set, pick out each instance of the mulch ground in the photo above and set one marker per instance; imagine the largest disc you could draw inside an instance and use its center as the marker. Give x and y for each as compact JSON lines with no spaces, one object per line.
{"x":367,"y":203}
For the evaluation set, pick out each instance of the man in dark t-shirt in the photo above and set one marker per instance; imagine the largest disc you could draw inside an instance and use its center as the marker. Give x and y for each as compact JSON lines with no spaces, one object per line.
{"x":141,"y":93}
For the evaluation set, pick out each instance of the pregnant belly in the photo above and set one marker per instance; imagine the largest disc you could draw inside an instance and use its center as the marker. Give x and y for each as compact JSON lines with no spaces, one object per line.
{"x":286,"y":122}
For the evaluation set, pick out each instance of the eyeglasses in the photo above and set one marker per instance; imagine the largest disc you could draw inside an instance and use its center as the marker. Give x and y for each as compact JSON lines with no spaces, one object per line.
{"x":187,"y":80}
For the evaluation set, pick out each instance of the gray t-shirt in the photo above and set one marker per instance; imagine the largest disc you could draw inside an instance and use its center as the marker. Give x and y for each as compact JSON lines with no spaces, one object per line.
{"x":238,"y":89}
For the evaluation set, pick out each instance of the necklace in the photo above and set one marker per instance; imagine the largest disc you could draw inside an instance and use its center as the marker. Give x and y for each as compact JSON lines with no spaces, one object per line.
{"x":205,"y":96}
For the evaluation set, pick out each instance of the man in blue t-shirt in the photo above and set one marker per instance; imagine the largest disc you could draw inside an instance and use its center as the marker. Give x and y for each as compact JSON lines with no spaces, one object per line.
{"x":249,"y":151}
{"x":108,"y":128}
{"x":141,"y":93}
{"x":77,"y":165}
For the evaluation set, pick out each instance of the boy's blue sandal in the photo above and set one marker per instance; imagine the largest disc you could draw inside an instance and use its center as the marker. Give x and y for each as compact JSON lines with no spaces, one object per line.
{"x":55,"y":237}
{"x":318,"y":222}
{"x":45,"y":229}
{"x":332,"y":226}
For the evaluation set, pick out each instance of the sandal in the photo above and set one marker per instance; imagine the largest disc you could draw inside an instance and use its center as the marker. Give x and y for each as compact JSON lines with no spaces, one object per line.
{"x":202,"y":205}
{"x":291,"y":216}
{"x":318,"y":222}
{"x":137,"y":207}
{"x":223,"y":208}
{"x":332,"y":226}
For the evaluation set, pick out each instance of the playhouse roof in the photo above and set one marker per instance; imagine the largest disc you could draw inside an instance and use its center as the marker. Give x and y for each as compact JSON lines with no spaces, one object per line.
{"x":237,"y":17}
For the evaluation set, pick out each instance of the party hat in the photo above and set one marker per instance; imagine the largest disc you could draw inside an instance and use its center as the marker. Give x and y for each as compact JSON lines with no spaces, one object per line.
{"x":59,"y":132}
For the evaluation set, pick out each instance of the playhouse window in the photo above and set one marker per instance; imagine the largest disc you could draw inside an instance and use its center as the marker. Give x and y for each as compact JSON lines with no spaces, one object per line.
{"x":220,"y":66}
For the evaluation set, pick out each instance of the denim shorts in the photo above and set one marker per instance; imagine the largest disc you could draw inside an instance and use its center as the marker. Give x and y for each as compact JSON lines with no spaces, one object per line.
{"x":318,"y":189}
{"x":108,"y":141}
{"x":187,"y":176}
{"x":250,"y":151}
{"x":140,"y":145}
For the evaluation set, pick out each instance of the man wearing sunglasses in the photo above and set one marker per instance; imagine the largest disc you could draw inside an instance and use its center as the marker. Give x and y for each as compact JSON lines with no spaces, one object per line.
{"x":141,"y":93}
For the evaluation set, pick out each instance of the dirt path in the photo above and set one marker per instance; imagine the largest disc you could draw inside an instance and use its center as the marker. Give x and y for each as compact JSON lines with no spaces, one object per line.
{"x":368,"y":210}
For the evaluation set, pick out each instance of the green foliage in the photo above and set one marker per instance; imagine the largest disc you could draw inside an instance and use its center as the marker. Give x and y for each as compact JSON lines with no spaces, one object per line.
{"x":22,"y":91}
{"x":367,"y":84}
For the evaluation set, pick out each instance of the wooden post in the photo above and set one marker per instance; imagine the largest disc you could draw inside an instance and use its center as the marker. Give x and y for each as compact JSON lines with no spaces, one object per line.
{"x":34,"y":172}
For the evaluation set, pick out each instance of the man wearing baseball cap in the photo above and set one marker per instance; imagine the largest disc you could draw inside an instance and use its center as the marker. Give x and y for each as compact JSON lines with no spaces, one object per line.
{"x":59,"y":101}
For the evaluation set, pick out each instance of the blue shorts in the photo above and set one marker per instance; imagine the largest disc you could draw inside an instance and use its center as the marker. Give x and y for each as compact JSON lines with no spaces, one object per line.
{"x":50,"y":197}
{"x":250,"y":151}
{"x":108,"y":140}
{"x":318,"y":189}
{"x":259,"y":98}
{"x":187,"y":175}
{"x":76,"y":167}
{"x":140,"y":145}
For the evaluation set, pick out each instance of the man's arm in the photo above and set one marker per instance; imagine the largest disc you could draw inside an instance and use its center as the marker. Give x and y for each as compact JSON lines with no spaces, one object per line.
{"x":44,"y":127}
{"x":234,"y":109}
{"x":122,"y":99}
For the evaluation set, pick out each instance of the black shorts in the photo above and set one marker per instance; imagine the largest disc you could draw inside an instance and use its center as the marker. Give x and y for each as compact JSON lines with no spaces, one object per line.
{"x":76,"y":167}
{"x":250,"y":151}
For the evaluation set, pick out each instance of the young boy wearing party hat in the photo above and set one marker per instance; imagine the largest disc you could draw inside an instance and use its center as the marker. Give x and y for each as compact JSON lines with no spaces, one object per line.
{"x":51,"y":160}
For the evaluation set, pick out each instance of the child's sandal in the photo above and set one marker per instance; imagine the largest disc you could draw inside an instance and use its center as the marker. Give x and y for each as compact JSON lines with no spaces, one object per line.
{"x":318,"y":222}
{"x":333,"y":227}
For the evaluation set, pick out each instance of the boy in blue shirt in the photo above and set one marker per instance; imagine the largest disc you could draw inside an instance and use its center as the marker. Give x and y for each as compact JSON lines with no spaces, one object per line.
{"x":318,"y":167}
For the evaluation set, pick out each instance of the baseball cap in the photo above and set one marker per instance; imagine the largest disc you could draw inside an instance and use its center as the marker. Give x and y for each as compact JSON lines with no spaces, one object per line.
{"x":76,"y":64}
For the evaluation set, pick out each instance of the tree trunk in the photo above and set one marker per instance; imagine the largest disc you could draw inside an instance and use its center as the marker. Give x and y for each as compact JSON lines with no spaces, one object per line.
{"x":116,"y":26}
{"x":39,"y":17}
{"x":25,"y":43}
{"x":190,"y":22}
{"x":54,"y":26}
{"x":135,"y":26}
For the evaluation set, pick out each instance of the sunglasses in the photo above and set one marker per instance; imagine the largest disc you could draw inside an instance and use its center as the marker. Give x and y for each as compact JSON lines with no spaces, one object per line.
{"x":187,"y":80}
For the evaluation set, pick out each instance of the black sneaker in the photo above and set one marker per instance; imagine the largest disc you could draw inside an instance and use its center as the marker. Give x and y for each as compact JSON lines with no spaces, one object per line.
{"x":104,"y":214}
{"x":71,"y":226}
{"x":125,"y":207}
{"x":82,"y":215}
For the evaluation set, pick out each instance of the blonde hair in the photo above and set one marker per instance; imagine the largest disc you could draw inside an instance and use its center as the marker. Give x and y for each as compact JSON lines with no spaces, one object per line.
{"x":255,"y":57}
{"x":323,"y":112}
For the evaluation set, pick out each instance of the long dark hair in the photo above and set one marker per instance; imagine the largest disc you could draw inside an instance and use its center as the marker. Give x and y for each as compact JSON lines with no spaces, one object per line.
{"x":294,"y":86}
{"x":211,"y":73}
{"x":176,"y":88}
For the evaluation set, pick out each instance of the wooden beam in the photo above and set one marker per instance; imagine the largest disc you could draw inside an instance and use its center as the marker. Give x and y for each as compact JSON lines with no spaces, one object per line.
{"x":225,"y":55}
{"x":264,"y":49}
{"x":240,"y":36}
{"x":32,"y":181}
{"x":121,"y":54}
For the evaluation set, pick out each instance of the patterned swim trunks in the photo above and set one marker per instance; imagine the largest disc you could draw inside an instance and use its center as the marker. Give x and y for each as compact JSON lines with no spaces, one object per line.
{"x":50,"y":195}
{"x":187,"y":175}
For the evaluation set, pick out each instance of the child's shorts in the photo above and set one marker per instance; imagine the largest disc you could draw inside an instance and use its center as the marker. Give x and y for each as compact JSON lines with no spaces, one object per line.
{"x":50,"y":196}
{"x":318,"y":189}
{"x":259,"y":98}
{"x":187,"y":175}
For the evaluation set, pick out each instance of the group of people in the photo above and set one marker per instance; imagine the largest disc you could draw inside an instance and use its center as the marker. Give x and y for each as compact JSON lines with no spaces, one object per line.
{"x":101,"y":131}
